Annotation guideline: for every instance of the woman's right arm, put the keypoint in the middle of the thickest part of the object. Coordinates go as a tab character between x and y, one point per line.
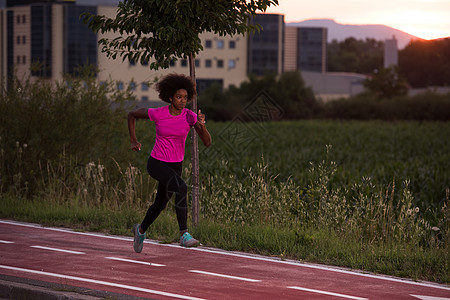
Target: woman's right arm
139	113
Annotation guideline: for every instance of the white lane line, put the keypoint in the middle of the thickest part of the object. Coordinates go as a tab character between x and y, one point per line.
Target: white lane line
316	267
225	276
429	297
100	282
6	242
136	261
58	250
242	255
325	293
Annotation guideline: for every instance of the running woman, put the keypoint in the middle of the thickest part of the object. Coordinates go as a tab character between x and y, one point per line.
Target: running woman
172	124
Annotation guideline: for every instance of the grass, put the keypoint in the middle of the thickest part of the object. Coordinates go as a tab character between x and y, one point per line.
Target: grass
361	195
315	245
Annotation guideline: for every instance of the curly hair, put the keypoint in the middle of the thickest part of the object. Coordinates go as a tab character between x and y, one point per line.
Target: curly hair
169	84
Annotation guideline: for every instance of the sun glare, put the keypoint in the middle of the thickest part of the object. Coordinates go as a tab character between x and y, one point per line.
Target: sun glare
426	19
423	24
423	32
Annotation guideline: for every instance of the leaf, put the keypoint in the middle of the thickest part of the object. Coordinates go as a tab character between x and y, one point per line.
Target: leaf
171	28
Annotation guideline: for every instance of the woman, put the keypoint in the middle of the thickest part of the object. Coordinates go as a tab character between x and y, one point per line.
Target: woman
172	124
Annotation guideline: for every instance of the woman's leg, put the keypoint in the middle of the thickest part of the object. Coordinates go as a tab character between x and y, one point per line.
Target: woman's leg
170	181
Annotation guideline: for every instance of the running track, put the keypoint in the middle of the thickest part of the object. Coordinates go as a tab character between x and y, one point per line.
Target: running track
162	271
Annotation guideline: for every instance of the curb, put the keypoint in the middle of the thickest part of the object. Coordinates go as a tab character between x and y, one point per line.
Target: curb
16	290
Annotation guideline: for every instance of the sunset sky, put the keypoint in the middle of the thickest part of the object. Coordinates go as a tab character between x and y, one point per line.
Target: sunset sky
427	19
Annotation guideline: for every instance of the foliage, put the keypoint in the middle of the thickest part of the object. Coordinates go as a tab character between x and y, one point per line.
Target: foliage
296	101
386	83
145	27
363	209
42	122
287	91
383	151
427	106
376	200
352	55
423	63
426	63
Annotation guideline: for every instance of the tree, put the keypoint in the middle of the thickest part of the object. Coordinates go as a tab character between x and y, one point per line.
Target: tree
352	55
294	99
159	31
386	83
426	63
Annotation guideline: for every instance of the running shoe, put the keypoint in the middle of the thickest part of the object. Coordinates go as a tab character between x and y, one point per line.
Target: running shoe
187	240
139	238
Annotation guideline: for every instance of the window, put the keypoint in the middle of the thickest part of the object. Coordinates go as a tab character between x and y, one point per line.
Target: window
208	63
132	62
172	63
24	59
18	19
231	64
24	19
18	60
80	41
232	44
220	63
24	39
144	86
184	63
197	63
220	44
18	40
120	85
144	98
208	44
133	86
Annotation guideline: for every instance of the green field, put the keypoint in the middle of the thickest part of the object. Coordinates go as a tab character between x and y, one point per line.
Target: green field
382	151
363	195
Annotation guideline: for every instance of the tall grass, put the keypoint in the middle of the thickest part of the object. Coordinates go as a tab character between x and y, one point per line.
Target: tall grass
363	211
368	195
386	152
365	226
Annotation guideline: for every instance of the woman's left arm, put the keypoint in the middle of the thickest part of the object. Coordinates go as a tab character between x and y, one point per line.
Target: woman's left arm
202	132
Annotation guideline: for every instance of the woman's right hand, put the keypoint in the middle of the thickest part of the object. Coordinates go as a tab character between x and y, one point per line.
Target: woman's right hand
135	146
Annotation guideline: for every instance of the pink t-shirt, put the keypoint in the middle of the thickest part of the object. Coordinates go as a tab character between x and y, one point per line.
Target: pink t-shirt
171	133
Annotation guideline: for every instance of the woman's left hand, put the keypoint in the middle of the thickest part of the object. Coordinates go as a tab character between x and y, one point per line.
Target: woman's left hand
200	127
201	117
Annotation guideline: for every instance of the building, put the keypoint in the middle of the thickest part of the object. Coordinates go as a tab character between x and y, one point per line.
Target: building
45	38
266	48
390	53
328	86
305	49
50	34
223	62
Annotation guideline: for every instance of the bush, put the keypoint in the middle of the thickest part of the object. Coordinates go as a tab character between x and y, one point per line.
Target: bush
41	122
293	100
422	107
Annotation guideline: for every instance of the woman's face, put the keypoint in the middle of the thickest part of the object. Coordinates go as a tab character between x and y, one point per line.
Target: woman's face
179	99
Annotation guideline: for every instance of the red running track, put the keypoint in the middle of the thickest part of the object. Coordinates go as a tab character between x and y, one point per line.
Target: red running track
162	271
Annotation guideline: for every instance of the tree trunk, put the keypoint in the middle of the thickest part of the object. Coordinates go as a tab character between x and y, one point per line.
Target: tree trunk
194	150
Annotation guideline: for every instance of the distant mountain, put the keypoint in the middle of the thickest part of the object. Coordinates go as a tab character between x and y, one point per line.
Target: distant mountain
340	32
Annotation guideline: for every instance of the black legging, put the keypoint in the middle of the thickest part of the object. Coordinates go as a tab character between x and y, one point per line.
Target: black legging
170	181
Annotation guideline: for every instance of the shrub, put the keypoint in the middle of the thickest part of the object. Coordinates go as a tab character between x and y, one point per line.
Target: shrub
427	106
42	121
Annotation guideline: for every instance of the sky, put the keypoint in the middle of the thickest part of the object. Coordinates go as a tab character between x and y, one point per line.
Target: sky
427	19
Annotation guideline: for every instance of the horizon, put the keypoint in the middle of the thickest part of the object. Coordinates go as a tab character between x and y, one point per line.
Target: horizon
425	19
365	24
